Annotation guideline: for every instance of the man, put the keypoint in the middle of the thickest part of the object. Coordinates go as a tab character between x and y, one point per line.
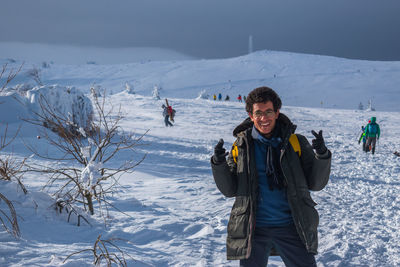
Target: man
270	171
372	132
166	115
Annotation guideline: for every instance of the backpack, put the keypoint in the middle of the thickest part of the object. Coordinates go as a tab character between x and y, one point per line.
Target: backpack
373	128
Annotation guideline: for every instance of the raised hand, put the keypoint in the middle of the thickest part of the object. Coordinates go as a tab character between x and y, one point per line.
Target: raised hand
318	143
219	152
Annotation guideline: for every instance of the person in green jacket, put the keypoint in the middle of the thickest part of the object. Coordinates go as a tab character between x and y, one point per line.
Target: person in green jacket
270	172
372	133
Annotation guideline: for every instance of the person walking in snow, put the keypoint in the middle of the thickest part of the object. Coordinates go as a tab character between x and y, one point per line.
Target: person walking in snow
219	97
372	133
227	98
166	115
270	170
363	138
239	98
214	97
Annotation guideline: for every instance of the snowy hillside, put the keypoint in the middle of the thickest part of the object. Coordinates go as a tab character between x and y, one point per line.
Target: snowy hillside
301	80
173	214
69	54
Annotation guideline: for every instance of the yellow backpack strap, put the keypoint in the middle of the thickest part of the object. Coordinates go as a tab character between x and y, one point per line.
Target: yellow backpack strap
294	141
235	152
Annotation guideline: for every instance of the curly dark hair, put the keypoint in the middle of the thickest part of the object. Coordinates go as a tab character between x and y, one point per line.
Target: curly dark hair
261	95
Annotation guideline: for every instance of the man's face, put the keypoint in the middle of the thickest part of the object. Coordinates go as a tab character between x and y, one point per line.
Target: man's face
264	117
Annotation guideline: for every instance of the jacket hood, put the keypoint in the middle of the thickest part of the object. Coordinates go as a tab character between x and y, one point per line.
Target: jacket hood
284	126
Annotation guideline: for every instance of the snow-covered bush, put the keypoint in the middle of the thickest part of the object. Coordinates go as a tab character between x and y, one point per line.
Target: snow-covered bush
156	93
203	95
129	88
82	169
60	108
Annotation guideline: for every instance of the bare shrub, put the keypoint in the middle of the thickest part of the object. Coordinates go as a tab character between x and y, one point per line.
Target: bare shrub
10	76
105	250
9	168
9	219
35	74
62	205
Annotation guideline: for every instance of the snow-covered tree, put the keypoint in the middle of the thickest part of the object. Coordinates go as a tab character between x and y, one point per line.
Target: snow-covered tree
360	106
203	95
129	88
370	107
156	92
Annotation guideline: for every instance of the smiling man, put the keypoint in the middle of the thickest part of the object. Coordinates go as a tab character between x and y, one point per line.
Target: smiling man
270	170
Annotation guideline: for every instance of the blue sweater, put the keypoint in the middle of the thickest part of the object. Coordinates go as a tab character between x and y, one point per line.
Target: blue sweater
272	206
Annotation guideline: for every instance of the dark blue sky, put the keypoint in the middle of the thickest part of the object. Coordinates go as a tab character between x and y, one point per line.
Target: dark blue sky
365	29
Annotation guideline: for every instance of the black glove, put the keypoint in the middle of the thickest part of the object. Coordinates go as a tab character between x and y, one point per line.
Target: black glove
318	143
219	152
359	141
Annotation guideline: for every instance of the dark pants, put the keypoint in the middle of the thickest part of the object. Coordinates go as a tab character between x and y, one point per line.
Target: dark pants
287	243
364	146
371	142
167	122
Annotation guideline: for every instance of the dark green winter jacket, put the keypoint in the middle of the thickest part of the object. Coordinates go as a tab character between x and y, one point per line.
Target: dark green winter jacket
309	171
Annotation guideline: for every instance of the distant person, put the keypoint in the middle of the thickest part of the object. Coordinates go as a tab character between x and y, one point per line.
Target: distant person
270	170
372	132
244	98
239	98
214	97
363	138
227	98
166	114
219	97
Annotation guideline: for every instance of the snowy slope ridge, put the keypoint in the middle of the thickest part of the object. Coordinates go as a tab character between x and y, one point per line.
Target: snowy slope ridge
301	79
177	217
69	54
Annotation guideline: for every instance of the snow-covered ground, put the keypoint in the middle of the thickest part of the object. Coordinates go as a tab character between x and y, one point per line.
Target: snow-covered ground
173	214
